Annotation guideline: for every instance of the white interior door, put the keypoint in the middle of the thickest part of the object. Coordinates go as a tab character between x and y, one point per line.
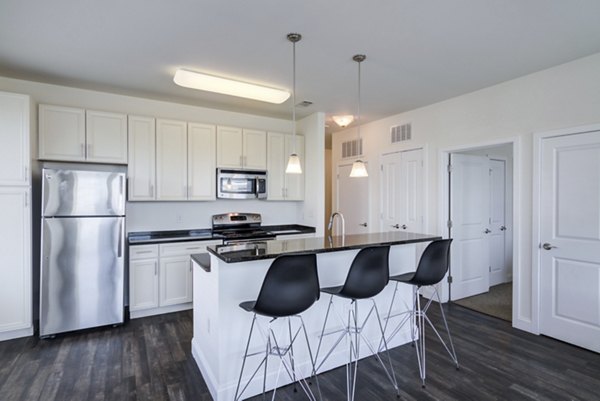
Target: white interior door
570	239
352	201
402	191
469	213
498	263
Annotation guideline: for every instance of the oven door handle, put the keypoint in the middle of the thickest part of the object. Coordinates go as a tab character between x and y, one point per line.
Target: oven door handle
256	186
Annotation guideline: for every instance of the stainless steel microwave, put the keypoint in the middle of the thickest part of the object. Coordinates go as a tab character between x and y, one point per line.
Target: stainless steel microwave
241	184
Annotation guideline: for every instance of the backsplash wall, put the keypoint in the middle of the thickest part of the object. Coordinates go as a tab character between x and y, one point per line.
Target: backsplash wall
152	216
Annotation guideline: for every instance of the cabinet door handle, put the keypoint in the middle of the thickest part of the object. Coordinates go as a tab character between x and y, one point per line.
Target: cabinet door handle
141	252
82	149
190	191
151	190
395	226
403	226
89	150
241	161
155	268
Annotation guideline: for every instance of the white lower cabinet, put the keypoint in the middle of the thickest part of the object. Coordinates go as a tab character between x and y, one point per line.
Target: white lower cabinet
160	277
15	269
175	280
143	284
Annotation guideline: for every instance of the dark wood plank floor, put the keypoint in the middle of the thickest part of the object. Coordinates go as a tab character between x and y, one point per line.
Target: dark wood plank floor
150	359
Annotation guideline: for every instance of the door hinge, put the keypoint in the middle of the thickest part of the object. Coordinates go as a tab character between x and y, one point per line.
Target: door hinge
449	224
449	279
449	168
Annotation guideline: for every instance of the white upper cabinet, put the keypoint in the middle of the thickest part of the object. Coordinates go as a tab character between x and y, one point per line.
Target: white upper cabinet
62	133
241	148
72	134
171	160
284	186
106	135
201	161
14	137
229	147
254	154
142	158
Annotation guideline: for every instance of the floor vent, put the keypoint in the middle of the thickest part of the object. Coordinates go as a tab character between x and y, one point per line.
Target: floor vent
352	148
401	133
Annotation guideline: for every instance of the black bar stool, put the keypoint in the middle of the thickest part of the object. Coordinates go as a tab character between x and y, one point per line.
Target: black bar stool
367	277
290	287
432	268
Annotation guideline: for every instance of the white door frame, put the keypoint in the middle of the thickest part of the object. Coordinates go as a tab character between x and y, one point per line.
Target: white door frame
536	226
519	321
337	190
425	149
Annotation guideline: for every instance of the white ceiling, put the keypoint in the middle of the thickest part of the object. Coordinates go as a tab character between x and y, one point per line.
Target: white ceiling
418	52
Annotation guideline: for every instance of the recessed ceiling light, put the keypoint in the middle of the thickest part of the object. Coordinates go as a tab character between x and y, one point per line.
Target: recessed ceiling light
211	83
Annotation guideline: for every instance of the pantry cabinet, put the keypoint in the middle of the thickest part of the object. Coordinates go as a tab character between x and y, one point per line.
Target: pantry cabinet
15	230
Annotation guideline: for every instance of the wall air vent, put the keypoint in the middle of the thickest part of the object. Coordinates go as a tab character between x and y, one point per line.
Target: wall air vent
400	133
352	148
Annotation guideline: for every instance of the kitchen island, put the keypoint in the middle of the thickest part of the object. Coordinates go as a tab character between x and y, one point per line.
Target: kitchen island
235	273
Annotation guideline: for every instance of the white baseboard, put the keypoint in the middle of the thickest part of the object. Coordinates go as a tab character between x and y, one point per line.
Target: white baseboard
9	335
159	311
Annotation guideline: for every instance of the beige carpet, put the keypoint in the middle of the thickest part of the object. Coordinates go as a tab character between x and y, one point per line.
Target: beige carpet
497	302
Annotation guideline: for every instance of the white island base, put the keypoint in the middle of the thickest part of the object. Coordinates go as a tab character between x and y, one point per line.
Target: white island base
221	327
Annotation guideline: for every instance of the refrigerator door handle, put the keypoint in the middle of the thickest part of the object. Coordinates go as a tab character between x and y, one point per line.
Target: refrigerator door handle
120	245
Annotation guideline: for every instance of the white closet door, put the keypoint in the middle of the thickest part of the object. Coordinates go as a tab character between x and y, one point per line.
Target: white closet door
498	261
570	239
469	212
352	201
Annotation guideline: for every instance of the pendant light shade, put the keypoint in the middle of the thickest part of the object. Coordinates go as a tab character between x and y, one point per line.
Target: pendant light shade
359	168
293	166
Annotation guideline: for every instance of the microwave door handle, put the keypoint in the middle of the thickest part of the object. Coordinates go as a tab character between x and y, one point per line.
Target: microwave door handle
256	187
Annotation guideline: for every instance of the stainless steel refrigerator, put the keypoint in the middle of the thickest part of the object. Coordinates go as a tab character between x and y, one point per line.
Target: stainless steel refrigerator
83	233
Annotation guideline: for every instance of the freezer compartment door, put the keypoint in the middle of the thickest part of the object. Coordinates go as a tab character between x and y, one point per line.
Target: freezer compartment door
82	273
83	193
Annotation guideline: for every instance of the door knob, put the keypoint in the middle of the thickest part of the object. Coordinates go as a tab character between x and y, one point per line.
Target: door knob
487	231
395	226
547	246
502	228
363	224
404	226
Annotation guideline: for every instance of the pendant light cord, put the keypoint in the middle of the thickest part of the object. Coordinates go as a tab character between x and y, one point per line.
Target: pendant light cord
358	111
294	98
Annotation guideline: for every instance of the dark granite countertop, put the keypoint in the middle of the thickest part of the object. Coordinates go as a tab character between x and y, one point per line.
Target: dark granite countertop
249	251
206	234
203	260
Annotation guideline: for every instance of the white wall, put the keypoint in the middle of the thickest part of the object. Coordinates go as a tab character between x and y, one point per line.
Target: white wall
179	215
564	96
313	128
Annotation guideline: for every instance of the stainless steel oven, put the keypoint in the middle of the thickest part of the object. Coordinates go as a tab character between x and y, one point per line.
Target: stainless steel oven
241	184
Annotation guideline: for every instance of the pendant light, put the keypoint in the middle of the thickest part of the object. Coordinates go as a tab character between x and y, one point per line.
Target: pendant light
293	166
359	169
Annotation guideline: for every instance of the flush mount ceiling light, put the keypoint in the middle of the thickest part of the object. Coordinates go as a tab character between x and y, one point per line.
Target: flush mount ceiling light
211	83
359	169
293	166
343	121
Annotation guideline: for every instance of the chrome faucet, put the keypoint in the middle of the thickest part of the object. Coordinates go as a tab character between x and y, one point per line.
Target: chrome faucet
331	220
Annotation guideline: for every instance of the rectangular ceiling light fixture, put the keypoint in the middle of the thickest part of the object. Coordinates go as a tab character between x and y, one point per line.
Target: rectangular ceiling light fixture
211	83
